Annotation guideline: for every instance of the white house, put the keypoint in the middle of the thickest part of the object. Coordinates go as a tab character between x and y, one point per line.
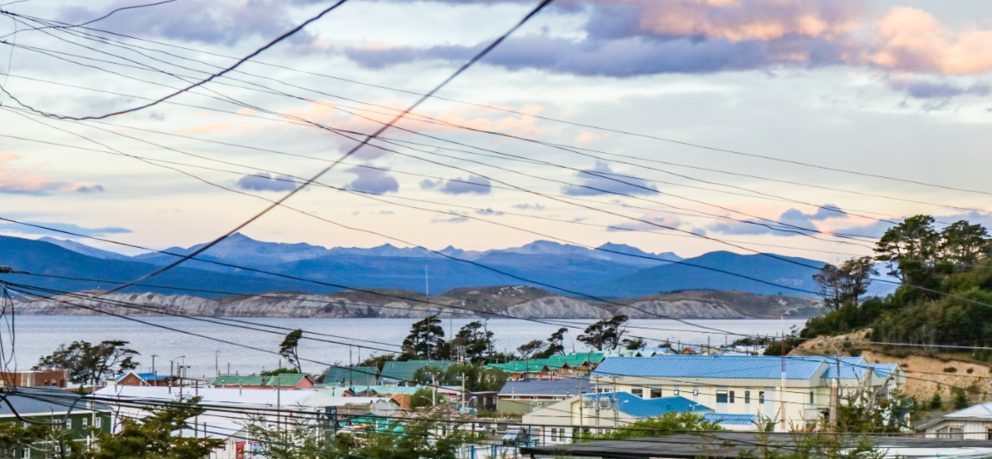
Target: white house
791	392
972	423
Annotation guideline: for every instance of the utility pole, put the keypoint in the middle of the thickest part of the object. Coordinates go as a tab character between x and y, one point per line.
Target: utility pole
217	361
153	365
834	395
781	393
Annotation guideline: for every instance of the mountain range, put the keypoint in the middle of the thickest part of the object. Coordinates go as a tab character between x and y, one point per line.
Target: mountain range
609	271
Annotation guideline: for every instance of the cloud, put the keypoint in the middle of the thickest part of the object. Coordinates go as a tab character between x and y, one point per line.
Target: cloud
472	185
263	181
20	181
68	227
457	217
921	89
488	211
911	39
528	206
216	22
374	181
793	223
601	180
648	223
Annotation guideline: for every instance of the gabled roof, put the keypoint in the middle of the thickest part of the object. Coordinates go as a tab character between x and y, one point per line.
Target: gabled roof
547	387
553	363
360	375
404	371
852	367
45	401
145	376
710	366
279	380
640	408
386	390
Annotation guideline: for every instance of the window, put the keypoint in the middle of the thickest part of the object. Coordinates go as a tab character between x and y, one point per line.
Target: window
98	422
676	392
747	397
951	432
695	392
85	422
811	397
721	396
761	396
731	396
68	423
988	434
26	453
655	393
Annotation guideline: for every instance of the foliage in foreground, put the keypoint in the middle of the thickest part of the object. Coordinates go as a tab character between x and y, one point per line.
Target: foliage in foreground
668	423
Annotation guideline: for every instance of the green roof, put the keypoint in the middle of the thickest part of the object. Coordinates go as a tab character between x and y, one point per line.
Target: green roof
554	362
345	376
386	390
404	371
279	380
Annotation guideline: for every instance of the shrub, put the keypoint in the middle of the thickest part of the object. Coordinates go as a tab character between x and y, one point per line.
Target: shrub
950	370
936	402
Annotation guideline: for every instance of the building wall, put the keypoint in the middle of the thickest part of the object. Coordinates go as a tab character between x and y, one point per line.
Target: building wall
80	424
970	429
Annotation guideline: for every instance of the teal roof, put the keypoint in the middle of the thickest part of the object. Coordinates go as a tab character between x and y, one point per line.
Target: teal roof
279	380
554	362
360	375
404	371
386	390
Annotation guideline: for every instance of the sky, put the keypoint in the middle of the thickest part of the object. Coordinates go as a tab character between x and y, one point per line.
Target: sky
885	88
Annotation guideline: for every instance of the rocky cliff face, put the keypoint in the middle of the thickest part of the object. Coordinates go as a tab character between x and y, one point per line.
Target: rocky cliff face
495	302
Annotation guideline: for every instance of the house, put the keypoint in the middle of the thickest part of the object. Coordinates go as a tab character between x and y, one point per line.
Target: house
556	366
229	410
350	375
285	381
972	423
560	422
749	385
46	406
34	378
403	372
143	379
521	397
736	445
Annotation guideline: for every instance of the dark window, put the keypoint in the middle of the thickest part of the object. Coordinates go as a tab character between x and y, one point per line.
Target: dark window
747	397
761	396
695	392
810	397
721	396
731	396
655	393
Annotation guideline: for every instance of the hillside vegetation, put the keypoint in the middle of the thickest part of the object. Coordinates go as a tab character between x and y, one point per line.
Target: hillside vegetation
945	291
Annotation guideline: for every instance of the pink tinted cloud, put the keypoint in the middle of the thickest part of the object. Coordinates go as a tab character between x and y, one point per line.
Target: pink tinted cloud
17	180
911	39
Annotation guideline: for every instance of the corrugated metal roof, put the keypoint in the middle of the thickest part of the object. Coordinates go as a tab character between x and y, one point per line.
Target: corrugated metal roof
850	367
45	401
281	380
547	387
638	407
709	366
404	371
731	419
359	375
554	362
386	390
982	410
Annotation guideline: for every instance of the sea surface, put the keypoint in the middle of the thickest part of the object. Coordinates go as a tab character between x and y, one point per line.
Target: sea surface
353	339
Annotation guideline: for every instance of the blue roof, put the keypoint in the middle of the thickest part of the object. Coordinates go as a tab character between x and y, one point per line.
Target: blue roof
731	419
851	367
547	387
710	366
641	408
146	376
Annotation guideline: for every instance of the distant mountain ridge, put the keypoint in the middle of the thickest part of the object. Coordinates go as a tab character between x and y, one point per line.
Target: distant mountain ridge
610	271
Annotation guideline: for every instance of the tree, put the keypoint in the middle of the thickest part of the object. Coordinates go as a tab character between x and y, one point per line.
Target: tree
530	348
963	245
634	344
289	348
88	363
671	422
846	283
910	249
154	436
475	340
556	345
606	334
426	339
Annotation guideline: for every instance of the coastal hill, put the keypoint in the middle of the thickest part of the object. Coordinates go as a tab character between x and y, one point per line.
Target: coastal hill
489	302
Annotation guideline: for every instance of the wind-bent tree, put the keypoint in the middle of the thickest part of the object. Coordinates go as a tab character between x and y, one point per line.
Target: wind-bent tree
556	344
606	334
911	250
530	348
155	436
474	340
963	245
845	283
426	339
633	344
88	363
290	348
